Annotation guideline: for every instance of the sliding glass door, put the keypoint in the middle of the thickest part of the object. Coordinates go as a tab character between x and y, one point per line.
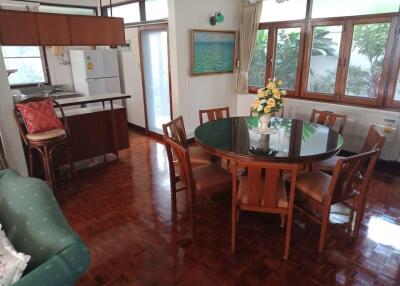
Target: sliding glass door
156	82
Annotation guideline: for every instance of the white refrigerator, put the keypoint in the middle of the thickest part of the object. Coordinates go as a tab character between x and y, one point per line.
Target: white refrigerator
95	71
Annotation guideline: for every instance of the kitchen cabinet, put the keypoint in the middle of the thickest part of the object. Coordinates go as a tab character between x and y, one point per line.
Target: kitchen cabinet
97	30
18	28
23	28
53	29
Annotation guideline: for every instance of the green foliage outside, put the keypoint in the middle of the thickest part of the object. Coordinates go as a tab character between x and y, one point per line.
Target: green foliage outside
369	40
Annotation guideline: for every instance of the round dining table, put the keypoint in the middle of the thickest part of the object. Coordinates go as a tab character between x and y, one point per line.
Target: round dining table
289	140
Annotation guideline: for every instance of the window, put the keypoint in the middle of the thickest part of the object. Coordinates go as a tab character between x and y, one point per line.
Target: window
338	8
27	61
68	10
257	73
136	11
366	59
350	54
290	10
156	9
286	56
130	12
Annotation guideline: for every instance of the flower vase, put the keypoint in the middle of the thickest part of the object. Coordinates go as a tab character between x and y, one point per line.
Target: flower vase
264	119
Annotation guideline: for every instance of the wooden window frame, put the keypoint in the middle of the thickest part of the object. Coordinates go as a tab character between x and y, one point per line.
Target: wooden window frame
271	51
390	69
307	60
378	101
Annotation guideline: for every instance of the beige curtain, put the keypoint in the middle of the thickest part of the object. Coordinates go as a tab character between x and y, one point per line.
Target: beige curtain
250	18
3	163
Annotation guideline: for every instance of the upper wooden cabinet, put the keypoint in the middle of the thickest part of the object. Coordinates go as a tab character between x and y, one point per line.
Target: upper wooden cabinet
97	30
18	28
31	28
53	29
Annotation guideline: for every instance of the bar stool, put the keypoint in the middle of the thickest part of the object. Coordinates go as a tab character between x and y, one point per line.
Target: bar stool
45	143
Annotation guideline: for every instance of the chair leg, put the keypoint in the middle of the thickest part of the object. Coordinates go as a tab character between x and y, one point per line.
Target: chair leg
324	230
47	167
68	154
30	150
359	205
233	234
288	235
173	195
193	211
282	220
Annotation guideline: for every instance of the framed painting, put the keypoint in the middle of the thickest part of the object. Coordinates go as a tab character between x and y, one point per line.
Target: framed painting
213	52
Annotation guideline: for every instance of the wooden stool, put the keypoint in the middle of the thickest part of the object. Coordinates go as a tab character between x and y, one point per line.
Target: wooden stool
45	143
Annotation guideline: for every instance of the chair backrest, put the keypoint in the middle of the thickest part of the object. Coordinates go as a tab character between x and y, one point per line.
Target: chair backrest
332	120
213	114
350	173
21	124
175	130
182	155
263	181
374	140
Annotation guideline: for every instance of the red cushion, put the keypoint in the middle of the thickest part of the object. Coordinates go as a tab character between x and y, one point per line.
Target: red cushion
39	116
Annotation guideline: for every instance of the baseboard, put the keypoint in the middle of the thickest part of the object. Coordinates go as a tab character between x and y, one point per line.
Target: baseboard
137	128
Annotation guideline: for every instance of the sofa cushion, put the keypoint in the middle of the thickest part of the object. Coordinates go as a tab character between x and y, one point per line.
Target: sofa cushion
12	263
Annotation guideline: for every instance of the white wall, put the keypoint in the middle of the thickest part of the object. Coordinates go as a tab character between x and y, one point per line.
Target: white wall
193	93
356	128
131	78
8	127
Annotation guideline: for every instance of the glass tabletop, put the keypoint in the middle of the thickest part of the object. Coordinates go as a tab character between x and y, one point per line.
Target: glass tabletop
292	140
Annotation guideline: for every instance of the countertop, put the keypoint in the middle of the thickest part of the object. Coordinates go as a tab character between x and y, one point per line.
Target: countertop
92	99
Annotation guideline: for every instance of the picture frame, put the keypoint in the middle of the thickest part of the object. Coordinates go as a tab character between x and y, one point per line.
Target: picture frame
213	52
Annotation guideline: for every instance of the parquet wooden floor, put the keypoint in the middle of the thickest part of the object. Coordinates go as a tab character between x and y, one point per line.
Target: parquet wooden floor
122	212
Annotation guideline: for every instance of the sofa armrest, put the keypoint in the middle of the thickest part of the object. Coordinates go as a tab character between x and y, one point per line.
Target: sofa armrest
64	268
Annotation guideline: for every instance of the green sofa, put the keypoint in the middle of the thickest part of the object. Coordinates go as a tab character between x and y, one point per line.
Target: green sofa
35	225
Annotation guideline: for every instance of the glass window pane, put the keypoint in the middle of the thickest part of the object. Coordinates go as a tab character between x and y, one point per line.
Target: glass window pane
156	9
397	92
130	12
258	64
324	59
366	59
273	11
20	51
326	8
286	56
67	10
29	70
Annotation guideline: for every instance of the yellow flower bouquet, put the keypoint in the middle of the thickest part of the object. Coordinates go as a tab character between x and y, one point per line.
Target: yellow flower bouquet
269	99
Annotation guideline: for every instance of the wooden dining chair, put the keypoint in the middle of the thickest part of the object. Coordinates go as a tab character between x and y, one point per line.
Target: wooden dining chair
213	114
349	181
261	189
374	140
175	130
200	181
332	120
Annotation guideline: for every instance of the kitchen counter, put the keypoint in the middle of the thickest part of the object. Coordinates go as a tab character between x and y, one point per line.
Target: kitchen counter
92	99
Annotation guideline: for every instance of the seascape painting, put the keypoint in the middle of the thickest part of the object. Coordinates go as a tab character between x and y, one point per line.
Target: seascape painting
213	52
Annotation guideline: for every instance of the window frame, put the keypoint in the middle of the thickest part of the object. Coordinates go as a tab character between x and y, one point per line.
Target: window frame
142	10
390	69
47	80
378	101
307	60
273	28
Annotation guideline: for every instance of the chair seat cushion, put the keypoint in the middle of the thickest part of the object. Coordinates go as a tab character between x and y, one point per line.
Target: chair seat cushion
47	135
211	178
199	156
39	116
244	188
327	165
314	184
